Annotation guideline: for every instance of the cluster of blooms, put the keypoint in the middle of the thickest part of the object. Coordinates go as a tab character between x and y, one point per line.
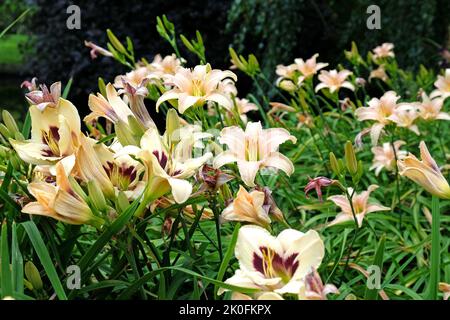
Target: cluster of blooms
81	178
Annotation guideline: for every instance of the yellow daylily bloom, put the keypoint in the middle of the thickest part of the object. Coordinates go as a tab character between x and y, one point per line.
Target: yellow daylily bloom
54	134
425	173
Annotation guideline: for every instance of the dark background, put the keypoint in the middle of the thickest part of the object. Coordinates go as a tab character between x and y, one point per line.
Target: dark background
276	31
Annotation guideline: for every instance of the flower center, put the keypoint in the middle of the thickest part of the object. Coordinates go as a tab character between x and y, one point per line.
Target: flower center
197	88
51	139
272	265
121	175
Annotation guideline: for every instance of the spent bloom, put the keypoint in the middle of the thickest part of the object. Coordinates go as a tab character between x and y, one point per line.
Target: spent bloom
275	264
334	80
44	97
193	87
384	156
314	288
386	50
425	173
360	203
253	149
317	184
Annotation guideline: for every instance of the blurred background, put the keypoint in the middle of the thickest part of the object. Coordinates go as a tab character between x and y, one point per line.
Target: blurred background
276	31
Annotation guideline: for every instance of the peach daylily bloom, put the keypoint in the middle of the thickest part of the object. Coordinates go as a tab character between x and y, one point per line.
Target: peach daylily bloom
334	80
275	264
54	134
195	87
442	85
405	115
379	110
162	67
379	73
244	106
384	156
247	207
253	149
360	203
309	67
386	50
60	202
430	109
445	288
425	173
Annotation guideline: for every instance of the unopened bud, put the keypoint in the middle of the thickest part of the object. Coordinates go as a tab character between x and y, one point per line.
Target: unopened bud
96	196
122	201
33	276
9	121
4	131
350	158
77	188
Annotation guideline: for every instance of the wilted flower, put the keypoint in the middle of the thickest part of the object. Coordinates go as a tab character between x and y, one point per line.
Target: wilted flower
379	73
60	202
386	50
314	288
425	173
212	179
317	184
442	85
384	156
379	110
334	80
275	264
277	106
253	149
43	98
54	134
309	67
195	87
95	50
247	207
430	109
360	206
405	115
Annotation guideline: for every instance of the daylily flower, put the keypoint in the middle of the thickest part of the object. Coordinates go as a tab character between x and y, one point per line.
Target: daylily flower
170	157
247	207
379	110
275	264
43	98
314	288
195	87
258	296
384	156
317	184
360	204
405	115
334	80
60	202
445	288
163	67
430	109
244	106
442	85
253	149
54	134
425	173
386	50
310	67
379	73
287	72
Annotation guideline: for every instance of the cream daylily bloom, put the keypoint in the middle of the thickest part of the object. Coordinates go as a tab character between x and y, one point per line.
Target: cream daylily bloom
247	207
162	67
253	149
425	173
334	80
384	156
195	87
442	85
275	264
379	73
244	106
379	110
54	134
430	109
386	50
405	115
360	203
309	67
60	202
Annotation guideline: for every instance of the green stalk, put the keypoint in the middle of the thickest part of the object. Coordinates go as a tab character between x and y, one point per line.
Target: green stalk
435	250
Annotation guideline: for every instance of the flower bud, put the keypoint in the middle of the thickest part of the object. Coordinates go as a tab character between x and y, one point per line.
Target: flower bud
96	196
9	121
32	274
334	164
350	158
4	131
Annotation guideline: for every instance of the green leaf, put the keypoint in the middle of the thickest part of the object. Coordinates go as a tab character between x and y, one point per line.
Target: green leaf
435	262
5	271
44	257
13	23
26	126
372	294
67	88
227	257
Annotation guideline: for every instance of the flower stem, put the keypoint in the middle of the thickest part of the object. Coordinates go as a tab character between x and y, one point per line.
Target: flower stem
435	249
